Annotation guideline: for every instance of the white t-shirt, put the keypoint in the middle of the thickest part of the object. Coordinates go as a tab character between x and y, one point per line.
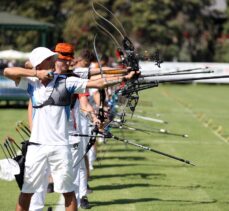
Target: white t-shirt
82	72
50	123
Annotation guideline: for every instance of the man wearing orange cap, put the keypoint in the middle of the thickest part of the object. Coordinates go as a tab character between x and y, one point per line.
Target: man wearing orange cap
65	51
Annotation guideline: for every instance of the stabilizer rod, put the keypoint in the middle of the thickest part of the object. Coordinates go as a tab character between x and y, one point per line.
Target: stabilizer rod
154	130
189	79
175	73
109	135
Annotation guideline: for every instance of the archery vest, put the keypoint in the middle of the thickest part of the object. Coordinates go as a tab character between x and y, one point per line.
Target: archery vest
59	96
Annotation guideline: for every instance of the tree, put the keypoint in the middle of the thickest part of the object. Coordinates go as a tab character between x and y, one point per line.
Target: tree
178	28
80	27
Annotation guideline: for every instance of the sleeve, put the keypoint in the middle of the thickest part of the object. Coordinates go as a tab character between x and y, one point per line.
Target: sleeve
23	84
76	85
82	72
84	94
25	81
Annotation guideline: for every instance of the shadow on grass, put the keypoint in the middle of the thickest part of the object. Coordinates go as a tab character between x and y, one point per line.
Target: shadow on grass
118	186
133	201
124	186
141	175
114	165
172	165
122	158
101	165
190	187
142	200
119	150
122	201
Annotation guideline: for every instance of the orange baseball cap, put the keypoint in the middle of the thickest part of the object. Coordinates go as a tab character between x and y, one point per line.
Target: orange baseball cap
65	51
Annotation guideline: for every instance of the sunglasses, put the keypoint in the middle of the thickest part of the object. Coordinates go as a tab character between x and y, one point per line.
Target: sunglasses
66	54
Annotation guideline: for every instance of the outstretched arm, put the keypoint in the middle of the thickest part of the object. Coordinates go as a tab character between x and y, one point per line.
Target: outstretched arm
107	70
108	81
16	73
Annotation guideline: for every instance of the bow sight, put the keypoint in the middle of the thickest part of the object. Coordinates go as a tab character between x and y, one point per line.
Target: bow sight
131	60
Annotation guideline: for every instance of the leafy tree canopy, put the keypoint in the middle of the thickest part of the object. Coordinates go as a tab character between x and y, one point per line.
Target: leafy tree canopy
181	30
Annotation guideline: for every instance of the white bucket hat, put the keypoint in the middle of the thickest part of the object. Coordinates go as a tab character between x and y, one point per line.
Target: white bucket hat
39	54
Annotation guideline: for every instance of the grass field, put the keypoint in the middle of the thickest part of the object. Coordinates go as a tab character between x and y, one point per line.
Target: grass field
126	178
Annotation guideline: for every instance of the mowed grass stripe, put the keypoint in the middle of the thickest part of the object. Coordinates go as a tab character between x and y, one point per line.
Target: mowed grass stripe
200	116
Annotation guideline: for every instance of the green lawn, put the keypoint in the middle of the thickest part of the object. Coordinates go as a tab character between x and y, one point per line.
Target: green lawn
126	178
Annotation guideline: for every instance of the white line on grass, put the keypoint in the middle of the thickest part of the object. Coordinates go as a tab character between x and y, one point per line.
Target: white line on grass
149	119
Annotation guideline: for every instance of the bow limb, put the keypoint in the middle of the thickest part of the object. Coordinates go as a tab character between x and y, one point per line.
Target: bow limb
101	91
109	22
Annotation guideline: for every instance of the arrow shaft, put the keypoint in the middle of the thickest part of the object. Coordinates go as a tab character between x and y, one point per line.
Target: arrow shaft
176	73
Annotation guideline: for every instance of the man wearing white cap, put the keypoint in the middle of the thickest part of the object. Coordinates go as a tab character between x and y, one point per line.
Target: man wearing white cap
49	137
